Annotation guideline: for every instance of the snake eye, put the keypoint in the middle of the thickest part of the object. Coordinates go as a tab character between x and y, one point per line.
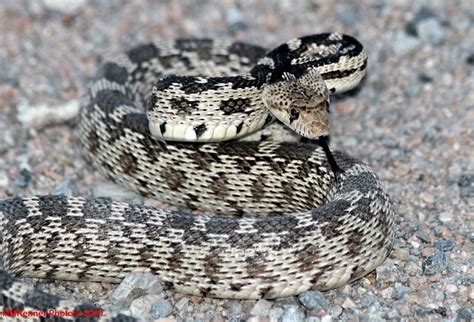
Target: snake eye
294	114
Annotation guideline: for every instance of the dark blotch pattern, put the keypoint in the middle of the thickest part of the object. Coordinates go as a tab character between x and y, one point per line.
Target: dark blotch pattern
200	129
113	72
143	53
236	105
183	106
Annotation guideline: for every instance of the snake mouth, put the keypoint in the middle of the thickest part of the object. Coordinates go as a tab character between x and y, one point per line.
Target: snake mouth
309	121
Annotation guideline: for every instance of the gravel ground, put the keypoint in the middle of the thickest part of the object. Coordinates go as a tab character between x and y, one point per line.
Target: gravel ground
412	121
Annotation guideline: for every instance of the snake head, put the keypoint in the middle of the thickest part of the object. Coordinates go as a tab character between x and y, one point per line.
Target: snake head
301	102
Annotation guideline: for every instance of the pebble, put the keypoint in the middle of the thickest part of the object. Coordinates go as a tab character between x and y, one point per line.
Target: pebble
435	264
349	16
431	31
445	217
182	304
115	192
141	307
66	188
135	283
161	308
470	59
423	14
275	313
24	178
348	304
463	314
64	6
313	300
262	307
41	116
444	245
292	314
404	44
400	291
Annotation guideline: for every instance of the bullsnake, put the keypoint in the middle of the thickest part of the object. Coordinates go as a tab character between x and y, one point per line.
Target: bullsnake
310	227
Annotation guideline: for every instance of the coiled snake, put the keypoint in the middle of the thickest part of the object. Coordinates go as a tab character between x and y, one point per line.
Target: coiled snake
313	227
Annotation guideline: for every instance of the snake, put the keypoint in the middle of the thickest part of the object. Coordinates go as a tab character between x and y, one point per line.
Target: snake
251	218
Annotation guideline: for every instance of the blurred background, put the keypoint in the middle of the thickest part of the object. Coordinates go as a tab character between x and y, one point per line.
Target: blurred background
412	121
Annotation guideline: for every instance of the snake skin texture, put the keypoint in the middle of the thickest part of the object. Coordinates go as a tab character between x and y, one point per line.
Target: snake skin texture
278	221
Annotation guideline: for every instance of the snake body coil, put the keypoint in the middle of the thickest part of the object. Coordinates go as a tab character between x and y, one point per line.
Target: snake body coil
311	229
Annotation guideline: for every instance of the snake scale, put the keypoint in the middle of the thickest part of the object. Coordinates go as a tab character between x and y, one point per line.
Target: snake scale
310	227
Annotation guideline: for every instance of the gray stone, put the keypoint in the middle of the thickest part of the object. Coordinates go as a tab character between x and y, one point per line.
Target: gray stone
161	308
292	314
444	245
349	16
24	178
275	313
400	291
435	263
393	314
67	7
445	217
182	304
66	188
423	14
336	311
115	192
431	31
403	44
262	307
141	307
313	300
136	283
463	314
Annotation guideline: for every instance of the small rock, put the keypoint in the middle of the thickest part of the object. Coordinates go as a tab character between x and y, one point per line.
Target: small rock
387	272
423	14
349	16
401	254
235	20
466	181
313	300
435	263
141	307
144	281
445	217
387	293
403	44
470	61
94	287
393	315
40	116
348	304
24	178
463	314
400	291
276	313
369	299
64	6
65	188
451	288
161	308
115	192
182	304
292	314
431	31
4	181
262	307
336	311
444	245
